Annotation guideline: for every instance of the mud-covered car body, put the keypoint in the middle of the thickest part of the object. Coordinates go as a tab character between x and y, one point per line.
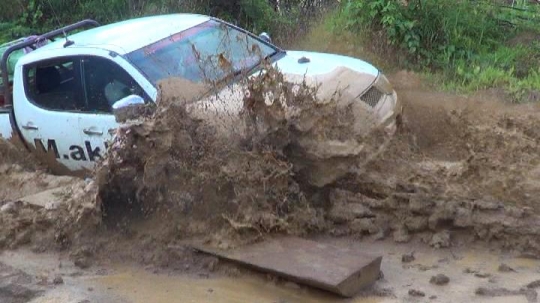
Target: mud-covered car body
64	92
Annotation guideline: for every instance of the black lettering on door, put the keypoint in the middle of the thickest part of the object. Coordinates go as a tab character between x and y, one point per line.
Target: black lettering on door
92	153
51	146
77	153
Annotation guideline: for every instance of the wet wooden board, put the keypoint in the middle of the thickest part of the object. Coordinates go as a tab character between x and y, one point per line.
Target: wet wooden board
340	270
47	198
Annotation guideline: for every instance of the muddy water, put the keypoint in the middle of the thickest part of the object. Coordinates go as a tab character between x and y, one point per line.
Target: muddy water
134	287
469	267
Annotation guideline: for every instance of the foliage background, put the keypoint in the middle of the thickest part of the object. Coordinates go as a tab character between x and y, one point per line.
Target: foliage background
23	17
463	45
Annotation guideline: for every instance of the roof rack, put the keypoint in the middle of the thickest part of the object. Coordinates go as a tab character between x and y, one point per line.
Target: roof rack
48	36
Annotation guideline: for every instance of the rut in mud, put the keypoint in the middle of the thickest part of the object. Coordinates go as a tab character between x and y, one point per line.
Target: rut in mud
38	209
457	170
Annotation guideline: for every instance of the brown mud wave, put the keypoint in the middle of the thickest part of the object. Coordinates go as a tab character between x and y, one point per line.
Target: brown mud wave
459	169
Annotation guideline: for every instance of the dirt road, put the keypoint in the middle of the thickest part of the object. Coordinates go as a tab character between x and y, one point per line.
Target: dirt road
475	274
454	193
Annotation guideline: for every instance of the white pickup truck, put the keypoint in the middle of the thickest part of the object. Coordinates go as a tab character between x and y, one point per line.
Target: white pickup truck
59	100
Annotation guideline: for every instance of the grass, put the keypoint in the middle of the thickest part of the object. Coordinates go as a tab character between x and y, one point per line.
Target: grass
470	56
515	69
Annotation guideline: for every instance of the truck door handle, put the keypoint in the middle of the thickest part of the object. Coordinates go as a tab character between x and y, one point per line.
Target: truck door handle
92	131
30	126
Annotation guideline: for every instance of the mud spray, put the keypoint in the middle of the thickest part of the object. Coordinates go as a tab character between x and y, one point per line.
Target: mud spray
285	162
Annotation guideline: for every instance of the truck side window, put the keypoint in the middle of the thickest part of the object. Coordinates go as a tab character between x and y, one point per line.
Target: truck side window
106	83
54	84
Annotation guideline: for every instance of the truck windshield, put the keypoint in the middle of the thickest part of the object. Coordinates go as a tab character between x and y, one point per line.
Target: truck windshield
211	51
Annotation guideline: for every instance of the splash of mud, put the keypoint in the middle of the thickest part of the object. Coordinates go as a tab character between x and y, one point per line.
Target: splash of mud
52	219
32	208
456	164
188	171
283	162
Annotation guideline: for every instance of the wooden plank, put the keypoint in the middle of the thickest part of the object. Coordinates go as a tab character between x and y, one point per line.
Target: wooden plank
340	270
49	198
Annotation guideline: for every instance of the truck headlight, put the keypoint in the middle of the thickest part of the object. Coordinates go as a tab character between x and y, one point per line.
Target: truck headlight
383	85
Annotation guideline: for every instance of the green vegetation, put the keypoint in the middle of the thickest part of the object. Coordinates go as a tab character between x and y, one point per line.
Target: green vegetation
22	17
466	45
469	45
5	29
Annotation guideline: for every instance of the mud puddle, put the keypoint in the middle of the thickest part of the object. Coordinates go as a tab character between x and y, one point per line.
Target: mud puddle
466	276
475	274
132	285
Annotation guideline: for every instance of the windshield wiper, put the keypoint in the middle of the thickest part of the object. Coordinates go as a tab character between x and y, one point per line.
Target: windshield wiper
251	69
246	71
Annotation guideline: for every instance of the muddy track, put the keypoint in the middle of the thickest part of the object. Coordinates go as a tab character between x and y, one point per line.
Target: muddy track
456	166
459	171
463	168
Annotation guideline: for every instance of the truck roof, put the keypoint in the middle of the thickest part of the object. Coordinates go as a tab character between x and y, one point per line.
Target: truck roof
126	36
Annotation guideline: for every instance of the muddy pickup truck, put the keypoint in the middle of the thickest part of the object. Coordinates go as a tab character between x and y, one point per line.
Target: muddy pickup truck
59	95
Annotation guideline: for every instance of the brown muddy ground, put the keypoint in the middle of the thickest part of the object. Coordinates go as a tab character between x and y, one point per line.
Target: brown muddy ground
459	169
475	275
459	172
21	175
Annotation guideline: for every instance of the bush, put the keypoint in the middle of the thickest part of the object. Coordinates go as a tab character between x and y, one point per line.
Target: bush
433	33
10	9
464	41
254	15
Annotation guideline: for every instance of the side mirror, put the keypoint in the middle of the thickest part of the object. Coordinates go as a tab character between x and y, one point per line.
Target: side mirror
266	37
128	101
129	108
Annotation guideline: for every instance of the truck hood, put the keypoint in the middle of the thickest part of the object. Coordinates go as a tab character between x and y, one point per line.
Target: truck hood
332	75
295	63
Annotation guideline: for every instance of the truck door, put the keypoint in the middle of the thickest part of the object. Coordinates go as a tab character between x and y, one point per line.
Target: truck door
105	82
66	109
47	108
